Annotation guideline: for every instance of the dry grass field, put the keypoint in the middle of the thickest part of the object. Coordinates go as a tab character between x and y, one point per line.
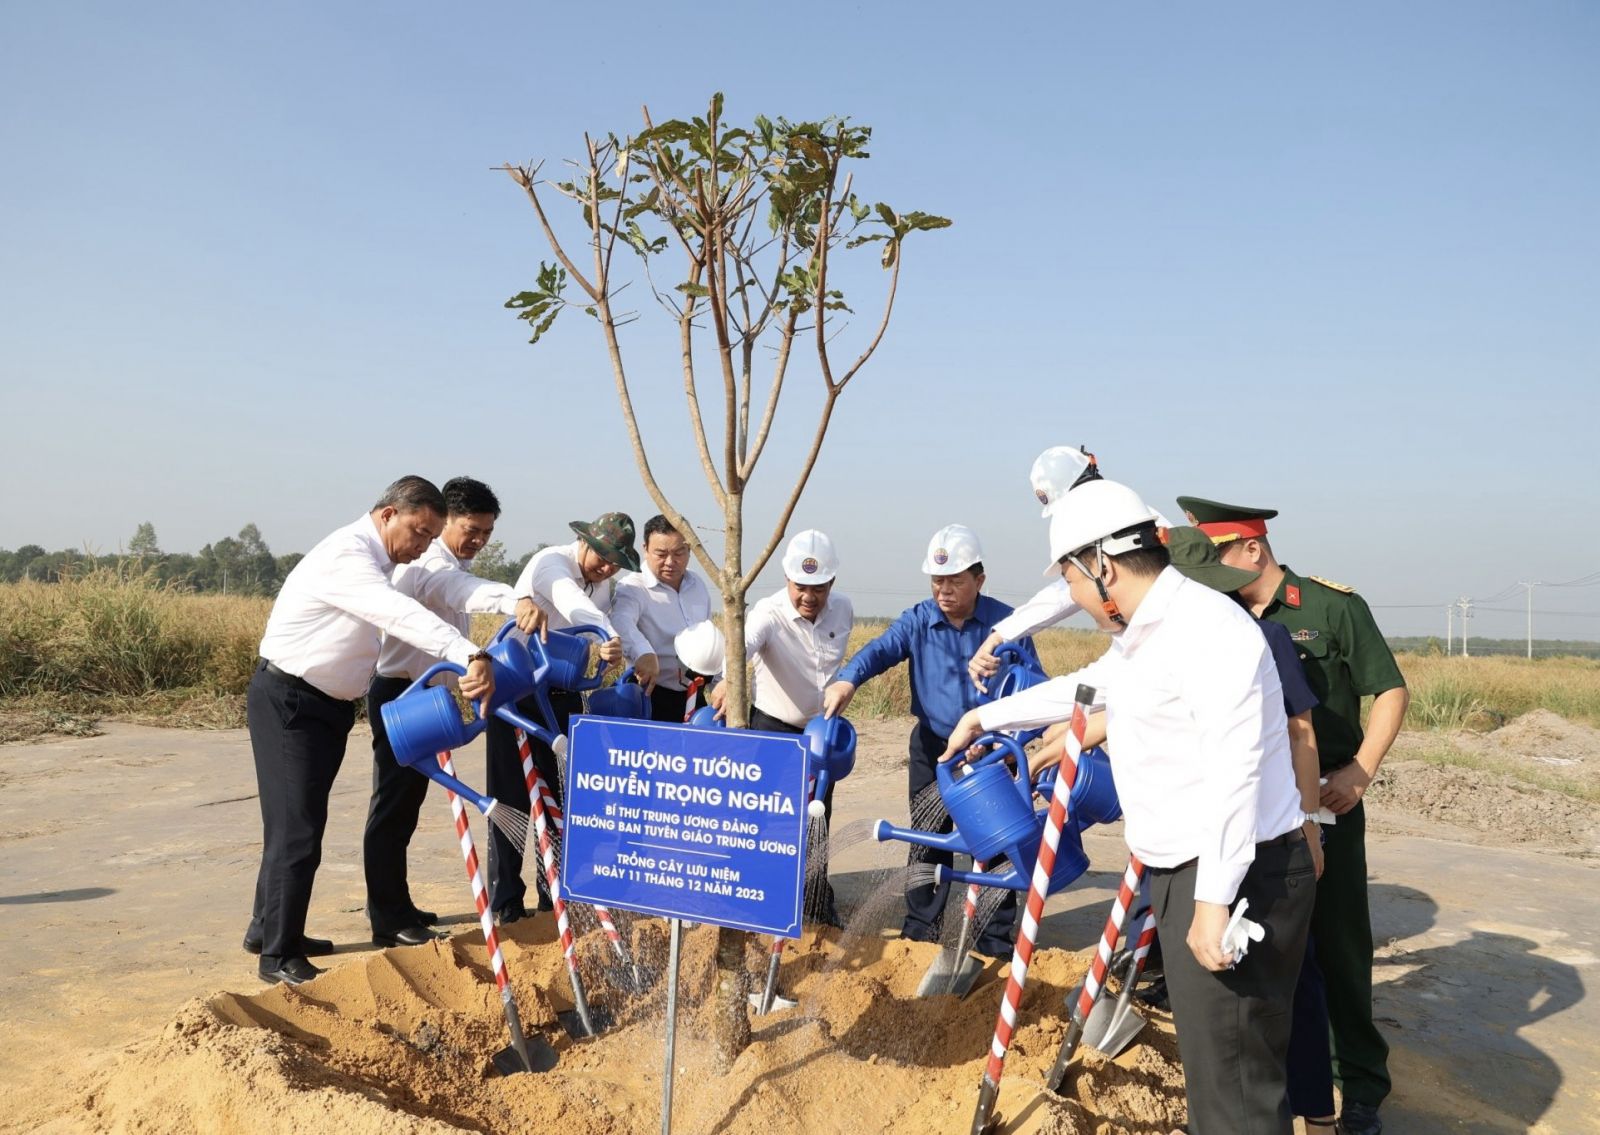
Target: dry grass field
115	644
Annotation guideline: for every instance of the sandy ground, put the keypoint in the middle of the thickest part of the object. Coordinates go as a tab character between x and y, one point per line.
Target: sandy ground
127	859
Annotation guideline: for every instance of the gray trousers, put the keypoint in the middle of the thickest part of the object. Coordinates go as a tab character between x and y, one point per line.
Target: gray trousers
1233	1026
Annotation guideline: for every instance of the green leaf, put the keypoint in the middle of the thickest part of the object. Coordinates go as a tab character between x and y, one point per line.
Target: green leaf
716	105
891	252
544	325
689	289
887	214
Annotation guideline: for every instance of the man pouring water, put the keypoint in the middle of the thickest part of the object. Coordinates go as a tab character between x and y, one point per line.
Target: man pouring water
318	654
1198	734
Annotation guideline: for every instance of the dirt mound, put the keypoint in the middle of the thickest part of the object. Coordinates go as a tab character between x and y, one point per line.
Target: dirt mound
1500	808
1545	736
402	1040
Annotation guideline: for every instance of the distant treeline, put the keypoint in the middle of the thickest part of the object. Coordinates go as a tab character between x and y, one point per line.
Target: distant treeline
234	565
1542	647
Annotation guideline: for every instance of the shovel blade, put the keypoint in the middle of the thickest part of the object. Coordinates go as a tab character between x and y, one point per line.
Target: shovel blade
778	1002
1111	1026
949	975
541	1058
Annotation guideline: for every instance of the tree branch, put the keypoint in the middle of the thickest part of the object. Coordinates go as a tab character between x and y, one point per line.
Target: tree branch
524	178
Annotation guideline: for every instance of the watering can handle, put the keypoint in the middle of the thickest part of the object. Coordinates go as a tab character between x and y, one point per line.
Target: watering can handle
541	657
587	628
436	668
1009	650
625	677
505	628
1003	744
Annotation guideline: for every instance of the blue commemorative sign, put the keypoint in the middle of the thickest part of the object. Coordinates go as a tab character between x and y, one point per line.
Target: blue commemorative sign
707	825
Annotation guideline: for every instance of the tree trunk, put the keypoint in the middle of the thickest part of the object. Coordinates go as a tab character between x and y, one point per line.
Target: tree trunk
732	1031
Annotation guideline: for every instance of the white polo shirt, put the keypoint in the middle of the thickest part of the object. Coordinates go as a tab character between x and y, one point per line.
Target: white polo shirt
333	610
792	658
1196	729
648	615
446	586
554	581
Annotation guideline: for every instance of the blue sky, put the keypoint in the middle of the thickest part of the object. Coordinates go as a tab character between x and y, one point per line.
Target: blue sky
1340	260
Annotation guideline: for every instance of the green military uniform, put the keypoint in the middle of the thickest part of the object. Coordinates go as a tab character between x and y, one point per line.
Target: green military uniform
1345	659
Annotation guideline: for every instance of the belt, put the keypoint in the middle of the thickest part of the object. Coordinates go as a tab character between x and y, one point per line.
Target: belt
294	680
1288	838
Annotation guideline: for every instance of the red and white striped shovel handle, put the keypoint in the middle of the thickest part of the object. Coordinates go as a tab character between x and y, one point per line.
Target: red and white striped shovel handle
1038	890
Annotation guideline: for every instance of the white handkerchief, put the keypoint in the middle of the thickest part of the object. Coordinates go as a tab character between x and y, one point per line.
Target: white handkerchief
1240	932
1325	816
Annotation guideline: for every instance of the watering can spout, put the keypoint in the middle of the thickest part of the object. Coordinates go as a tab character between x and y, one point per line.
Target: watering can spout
947	841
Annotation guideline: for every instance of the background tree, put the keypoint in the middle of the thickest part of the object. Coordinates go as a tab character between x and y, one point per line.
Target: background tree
144	544
753	217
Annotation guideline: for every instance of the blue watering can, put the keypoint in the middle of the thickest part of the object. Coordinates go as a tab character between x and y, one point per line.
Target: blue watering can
992	807
568	652
1094	793
425	721
624	699
520	665
1017	672
706	718
830	756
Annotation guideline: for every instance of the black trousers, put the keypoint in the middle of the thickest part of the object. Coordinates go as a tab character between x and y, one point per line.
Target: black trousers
1310	1062
507	784
667	705
297	736
1342	925
397	796
925	902
817	905
1233	1026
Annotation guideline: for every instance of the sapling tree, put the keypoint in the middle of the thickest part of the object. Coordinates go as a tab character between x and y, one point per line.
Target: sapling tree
731	231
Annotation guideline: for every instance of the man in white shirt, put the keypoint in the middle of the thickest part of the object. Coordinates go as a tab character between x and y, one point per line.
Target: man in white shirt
650	609
1196	724
317	656
795	640
442	581
572	585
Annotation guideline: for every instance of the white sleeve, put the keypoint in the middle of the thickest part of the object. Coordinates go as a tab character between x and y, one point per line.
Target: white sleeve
354	585
1048	702
1227	697
757	625
627	608
552	580
445	586
1049	606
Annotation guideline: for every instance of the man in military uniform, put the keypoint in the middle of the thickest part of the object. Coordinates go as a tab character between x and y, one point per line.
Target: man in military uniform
1345	658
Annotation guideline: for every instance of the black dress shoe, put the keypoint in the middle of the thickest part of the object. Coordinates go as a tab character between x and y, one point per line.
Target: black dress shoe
515	912
405	936
309	947
424	917
290	971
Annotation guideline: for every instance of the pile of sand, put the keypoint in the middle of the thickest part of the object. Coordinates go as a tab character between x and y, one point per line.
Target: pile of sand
1531	782
402	1040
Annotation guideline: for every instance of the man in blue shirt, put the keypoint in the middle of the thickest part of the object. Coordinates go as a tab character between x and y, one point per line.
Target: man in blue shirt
936	637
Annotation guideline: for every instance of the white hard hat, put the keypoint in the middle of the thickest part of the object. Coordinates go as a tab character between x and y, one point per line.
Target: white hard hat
1055	471
700	647
954	548
1091	513
810	558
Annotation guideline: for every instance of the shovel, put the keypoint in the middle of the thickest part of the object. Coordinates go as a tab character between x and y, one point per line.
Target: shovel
1112	1025
519	1055
954	971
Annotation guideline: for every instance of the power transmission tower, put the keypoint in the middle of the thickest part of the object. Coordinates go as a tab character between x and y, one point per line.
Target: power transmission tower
1449	629
1465	605
1530	585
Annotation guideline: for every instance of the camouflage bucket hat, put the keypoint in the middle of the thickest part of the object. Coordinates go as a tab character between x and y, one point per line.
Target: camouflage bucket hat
612	536
1195	556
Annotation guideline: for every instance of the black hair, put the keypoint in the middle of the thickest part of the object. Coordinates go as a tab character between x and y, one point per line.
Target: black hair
976	569
658	525
411	493
464	497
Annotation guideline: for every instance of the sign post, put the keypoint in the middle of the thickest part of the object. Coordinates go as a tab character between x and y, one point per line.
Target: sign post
687	823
